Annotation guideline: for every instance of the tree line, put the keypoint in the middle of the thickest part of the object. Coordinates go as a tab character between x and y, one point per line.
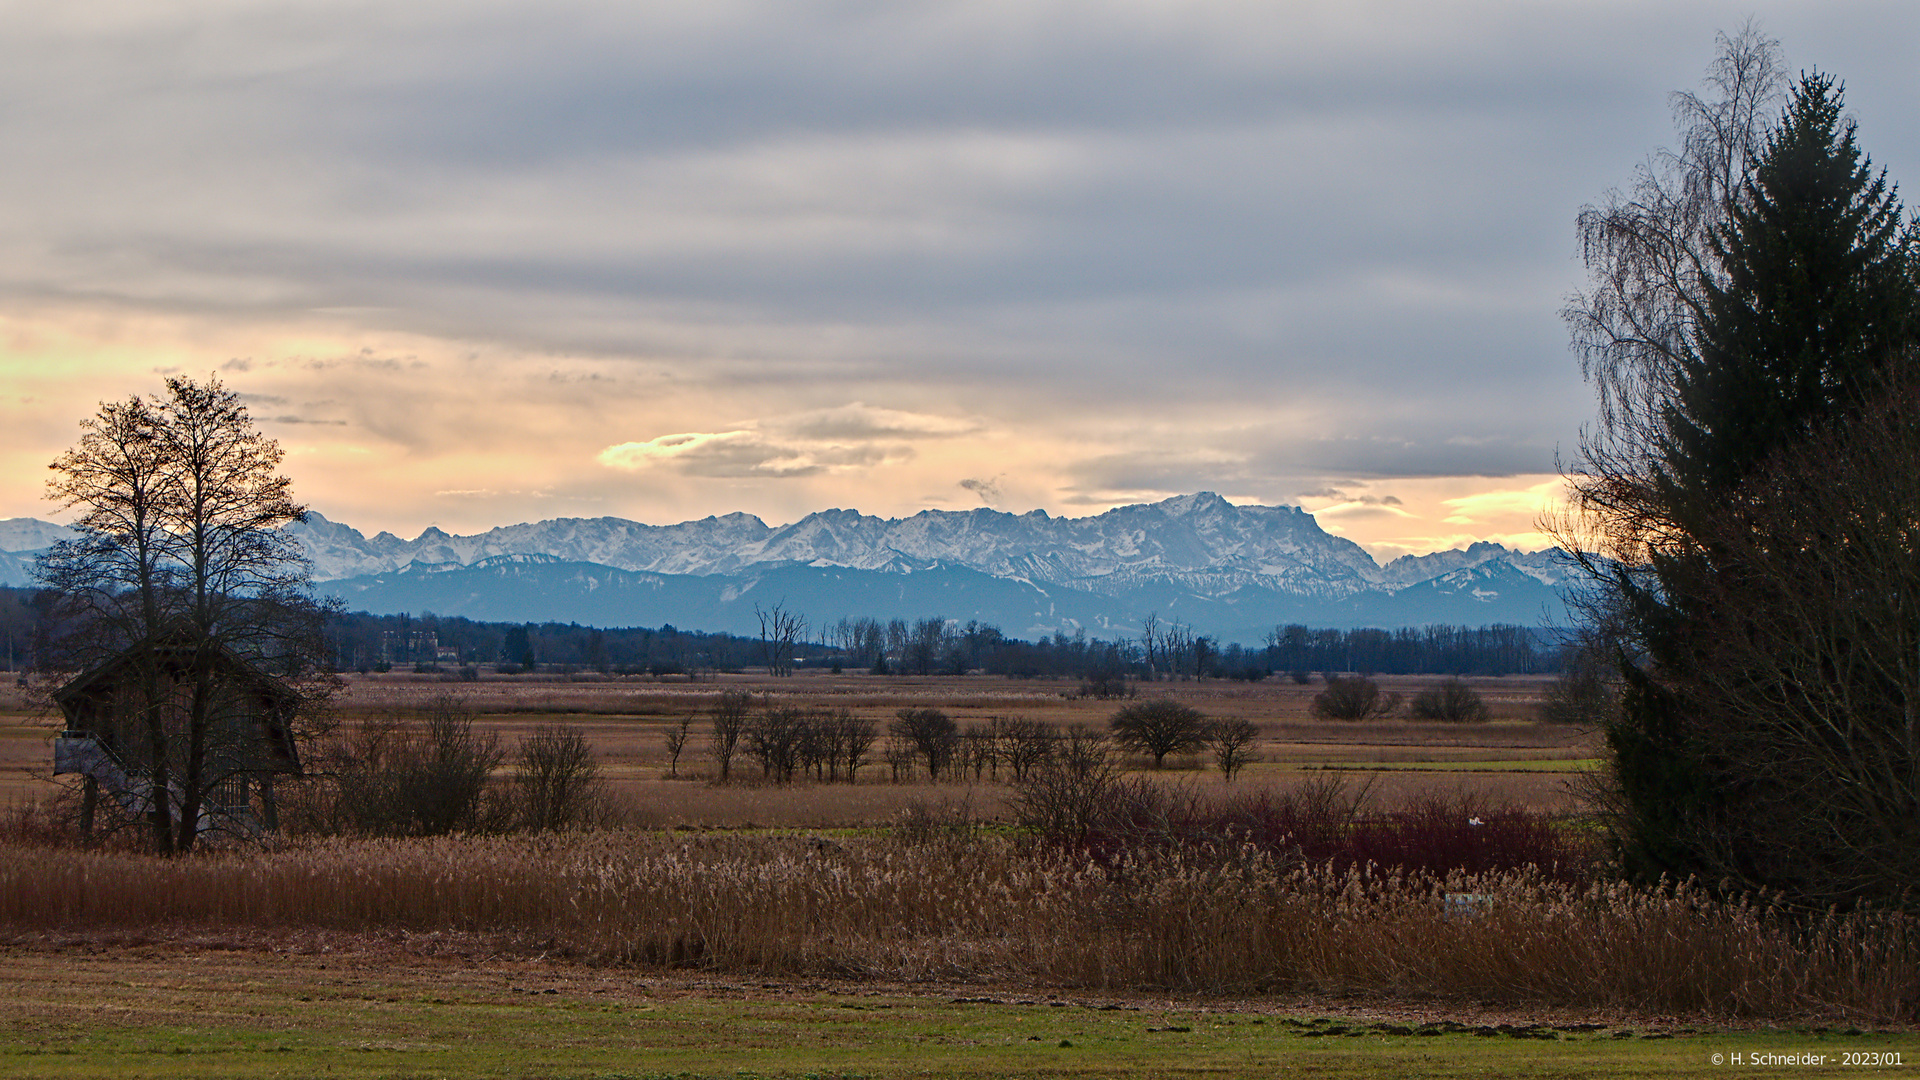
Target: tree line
826	745
359	641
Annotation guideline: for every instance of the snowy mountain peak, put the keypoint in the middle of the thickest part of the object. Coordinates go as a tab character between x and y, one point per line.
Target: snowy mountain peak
1198	542
30	534
1190	549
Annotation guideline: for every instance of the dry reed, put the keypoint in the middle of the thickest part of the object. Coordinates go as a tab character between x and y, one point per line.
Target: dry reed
979	908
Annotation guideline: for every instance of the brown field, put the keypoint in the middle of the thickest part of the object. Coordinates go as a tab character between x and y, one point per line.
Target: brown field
705	884
1512	757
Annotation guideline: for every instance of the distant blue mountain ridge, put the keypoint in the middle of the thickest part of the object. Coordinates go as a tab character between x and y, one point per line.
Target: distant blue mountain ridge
1231	571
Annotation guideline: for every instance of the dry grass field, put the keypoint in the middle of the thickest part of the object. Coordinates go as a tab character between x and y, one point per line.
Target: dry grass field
1512	757
720	927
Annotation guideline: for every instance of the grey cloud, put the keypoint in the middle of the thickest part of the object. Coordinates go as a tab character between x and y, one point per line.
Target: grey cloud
1042	212
859	421
1385	456
1341	494
987	490
1149	473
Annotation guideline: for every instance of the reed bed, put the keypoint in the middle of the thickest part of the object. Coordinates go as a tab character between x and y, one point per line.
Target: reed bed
984	907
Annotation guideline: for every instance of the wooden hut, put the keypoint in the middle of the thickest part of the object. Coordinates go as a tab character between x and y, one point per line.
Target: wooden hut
113	710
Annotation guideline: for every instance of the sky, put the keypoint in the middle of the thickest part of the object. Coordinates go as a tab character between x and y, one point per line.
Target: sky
476	263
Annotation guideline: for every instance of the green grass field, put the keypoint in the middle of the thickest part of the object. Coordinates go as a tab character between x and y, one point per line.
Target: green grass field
242	1014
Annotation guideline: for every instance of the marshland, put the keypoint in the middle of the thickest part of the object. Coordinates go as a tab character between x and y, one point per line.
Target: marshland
1450	869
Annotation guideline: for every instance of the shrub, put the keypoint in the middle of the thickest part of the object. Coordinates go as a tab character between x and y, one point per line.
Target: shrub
1452	701
557	779
1065	799
384	778
1106	685
1355	698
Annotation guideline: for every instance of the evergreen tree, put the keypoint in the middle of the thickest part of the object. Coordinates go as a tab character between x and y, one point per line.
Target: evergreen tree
1806	323
1818	295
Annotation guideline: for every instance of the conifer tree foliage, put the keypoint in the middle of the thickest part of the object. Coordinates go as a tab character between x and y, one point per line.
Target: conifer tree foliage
1817	296
1766	732
180	506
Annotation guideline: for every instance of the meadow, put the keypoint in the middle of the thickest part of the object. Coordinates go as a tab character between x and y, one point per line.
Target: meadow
715	926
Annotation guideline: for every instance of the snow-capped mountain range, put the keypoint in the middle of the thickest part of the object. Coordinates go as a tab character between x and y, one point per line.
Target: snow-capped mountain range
1225	569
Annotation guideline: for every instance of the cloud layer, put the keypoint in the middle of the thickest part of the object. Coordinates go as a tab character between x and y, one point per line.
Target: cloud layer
485	261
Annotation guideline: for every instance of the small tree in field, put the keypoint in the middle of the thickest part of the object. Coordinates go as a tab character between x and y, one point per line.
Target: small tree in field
676	741
1353	698
729	712
930	732
1453	701
1159	728
1025	744
1232	742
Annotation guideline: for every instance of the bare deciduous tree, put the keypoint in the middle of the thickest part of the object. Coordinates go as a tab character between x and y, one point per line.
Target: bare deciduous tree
180	513
781	634
853	738
1158	728
729	712
676	739
1232	742
1025	744
773	738
931	733
557	778
1650	249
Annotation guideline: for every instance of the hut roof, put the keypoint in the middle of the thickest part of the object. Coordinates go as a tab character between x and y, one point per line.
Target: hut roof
173	653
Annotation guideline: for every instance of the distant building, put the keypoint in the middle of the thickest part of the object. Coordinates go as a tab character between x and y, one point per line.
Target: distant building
409	646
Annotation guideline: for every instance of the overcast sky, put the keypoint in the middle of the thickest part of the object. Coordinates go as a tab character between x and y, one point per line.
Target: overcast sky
479	263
